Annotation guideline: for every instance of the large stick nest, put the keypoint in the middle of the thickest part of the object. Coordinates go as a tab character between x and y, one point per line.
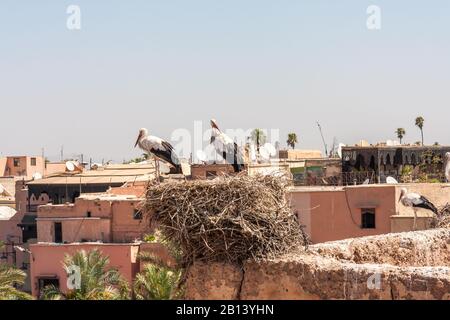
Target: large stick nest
442	219
226	219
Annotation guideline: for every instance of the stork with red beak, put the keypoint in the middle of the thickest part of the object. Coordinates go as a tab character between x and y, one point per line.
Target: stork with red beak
226	147
416	201
160	149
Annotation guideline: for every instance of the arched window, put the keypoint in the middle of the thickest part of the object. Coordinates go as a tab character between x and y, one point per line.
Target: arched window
372	163
388	159
360	162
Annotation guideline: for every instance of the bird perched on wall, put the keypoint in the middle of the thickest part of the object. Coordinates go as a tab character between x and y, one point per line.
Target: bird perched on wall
416	201
160	149
447	166
226	147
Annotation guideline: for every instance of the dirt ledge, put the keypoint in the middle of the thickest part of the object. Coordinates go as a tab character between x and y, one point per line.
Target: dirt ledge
412	265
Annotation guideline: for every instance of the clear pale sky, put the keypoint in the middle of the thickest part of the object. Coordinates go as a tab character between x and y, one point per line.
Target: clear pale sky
248	63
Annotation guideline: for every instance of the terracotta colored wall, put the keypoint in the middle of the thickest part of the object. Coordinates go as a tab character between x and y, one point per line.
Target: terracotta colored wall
47	260
124	227
54	167
199	171
109	221
76	230
327	216
299	154
2	166
25	168
137	189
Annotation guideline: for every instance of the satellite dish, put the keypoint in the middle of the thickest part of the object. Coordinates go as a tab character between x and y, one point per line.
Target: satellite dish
367	181
391	180
70	166
37	176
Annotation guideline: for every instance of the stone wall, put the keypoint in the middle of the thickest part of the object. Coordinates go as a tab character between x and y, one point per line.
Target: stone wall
412	265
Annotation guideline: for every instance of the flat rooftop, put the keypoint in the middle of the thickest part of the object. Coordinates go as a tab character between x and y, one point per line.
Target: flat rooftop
360	186
112	174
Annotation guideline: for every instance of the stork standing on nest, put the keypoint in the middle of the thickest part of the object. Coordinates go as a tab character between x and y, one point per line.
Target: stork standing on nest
226	147
160	149
447	166
416	201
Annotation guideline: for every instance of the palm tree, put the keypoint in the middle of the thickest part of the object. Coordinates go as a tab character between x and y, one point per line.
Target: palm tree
292	139
97	281
9	278
400	133
160	279
419	123
258	137
156	282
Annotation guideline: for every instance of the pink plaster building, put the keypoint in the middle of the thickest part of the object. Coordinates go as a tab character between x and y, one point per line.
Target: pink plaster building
26	167
108	218
335	213
110	221
47	260
113	217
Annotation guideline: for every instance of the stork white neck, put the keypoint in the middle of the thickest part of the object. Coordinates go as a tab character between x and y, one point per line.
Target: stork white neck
143	133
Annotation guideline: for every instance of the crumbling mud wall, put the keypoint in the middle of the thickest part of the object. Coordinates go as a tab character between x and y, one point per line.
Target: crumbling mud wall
410	265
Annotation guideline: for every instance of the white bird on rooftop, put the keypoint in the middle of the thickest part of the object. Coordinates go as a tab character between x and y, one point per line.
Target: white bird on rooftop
226	147
447	166
416	201
159	148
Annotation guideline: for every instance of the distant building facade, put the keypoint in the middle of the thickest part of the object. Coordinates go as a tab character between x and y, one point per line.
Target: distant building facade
336	213
106	218
385	161
299	154
210	171
27	167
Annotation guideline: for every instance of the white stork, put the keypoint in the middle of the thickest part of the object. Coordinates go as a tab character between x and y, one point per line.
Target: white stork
159	148
447	166
226	147
416	201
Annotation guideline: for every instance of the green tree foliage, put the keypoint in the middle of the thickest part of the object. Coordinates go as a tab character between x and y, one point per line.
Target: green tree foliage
292	140
98	281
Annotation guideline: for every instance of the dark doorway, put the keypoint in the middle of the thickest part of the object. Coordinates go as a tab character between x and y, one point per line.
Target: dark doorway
47	281
368	218
58	232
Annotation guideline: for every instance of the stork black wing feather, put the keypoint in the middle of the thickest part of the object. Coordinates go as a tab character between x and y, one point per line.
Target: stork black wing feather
167	145
427	204
168	156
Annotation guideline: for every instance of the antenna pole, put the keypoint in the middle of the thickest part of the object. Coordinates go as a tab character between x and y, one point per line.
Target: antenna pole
44	165
323	139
